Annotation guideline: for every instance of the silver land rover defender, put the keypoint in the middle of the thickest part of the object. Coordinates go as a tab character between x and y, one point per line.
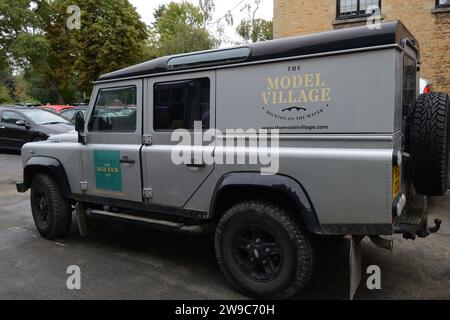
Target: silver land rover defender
355	150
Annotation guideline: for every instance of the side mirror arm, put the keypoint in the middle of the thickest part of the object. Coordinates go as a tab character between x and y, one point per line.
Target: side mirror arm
79	127
82	138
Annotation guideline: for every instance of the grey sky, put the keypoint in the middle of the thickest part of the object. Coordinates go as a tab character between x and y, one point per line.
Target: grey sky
146	8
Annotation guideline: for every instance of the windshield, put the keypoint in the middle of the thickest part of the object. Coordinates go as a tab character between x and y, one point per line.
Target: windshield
44	117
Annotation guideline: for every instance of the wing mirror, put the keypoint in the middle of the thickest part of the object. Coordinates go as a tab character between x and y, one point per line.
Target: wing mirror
79	122
79	127
21	123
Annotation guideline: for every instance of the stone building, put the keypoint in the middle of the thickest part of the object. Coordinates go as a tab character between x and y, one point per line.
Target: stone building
428	20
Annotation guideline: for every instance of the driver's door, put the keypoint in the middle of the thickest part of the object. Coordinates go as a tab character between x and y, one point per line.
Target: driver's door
111	165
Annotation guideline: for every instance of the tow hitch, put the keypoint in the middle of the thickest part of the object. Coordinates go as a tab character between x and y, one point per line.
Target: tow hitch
421	230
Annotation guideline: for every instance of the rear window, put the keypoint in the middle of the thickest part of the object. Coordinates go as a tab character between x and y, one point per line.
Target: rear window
409	84
44	117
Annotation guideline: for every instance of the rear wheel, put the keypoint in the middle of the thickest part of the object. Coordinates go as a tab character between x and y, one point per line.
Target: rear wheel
262	251
52	213
430	134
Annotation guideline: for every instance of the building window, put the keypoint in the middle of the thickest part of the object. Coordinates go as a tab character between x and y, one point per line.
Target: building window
442	3
347	9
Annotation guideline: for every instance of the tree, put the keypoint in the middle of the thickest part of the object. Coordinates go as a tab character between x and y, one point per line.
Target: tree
57	62
181	28
4	95
254	29
23	43
207	8
111	37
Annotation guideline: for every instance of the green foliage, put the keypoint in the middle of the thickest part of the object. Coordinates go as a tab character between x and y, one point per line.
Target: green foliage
57	62
255	30
207	8
112	37
5	98
53	64
30	49
180	28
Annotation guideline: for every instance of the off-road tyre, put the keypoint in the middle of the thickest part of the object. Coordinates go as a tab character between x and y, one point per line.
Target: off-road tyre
430	134
279	231
52	213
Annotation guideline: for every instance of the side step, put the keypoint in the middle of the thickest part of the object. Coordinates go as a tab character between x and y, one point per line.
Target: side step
82	218
170	224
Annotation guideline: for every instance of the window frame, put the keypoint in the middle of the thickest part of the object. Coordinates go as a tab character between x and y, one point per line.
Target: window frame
178	81
438	5
91	113
339	16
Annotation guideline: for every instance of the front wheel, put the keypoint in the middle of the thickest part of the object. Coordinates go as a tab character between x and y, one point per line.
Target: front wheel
52	213
263	251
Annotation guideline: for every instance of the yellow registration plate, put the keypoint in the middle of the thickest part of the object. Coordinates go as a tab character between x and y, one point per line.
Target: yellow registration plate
396	181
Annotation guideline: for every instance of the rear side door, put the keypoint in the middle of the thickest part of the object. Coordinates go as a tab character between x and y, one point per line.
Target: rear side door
111	166
13	135
175	102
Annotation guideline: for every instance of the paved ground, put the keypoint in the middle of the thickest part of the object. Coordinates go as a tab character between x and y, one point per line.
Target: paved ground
126	261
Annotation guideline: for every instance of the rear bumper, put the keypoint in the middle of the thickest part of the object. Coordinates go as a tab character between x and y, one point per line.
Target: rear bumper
21	187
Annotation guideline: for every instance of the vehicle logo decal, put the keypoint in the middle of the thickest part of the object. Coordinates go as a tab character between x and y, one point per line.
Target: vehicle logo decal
295	97
108	174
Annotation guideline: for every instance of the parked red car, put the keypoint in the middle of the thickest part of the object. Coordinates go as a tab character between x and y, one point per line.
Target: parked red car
56	108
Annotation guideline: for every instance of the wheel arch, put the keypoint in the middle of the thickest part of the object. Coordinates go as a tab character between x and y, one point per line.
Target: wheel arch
239	186
50	166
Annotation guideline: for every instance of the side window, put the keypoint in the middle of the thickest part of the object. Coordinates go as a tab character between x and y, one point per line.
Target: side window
177	105
11	117
115	110
409	83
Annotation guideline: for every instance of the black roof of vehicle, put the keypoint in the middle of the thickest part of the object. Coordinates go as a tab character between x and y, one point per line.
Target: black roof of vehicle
343	39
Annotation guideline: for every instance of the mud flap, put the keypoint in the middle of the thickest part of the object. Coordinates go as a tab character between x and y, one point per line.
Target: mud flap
82	219
355	263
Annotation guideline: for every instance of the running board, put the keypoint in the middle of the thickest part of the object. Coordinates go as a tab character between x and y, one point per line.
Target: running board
192	229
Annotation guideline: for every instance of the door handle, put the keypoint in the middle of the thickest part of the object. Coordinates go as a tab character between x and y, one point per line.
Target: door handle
195	165
127	161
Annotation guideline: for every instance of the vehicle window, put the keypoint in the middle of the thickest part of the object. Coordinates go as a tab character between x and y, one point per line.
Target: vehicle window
409	83
209	58
69	114
178	104
40	116
355	8
442	3
11	117
115	110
